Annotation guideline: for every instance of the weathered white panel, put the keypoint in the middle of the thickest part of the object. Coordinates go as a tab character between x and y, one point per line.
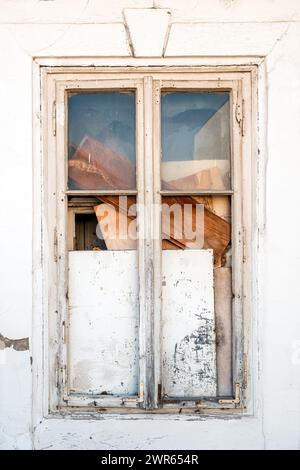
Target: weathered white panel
72	39
103	322
148	29
223	39
188	337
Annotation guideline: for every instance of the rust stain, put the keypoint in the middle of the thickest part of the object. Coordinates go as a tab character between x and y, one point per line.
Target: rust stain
21	344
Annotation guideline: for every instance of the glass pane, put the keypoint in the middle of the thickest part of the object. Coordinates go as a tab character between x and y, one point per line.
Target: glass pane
195	141
101	141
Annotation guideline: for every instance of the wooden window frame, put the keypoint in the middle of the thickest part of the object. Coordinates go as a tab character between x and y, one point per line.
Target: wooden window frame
148	83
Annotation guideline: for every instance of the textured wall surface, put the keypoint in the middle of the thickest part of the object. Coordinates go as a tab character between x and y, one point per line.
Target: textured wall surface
204	32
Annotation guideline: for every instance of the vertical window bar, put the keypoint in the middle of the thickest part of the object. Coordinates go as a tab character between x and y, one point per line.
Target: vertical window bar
146	250
140	171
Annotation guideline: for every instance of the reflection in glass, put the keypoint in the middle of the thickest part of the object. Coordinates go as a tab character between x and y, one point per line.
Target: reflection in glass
195	141
101	141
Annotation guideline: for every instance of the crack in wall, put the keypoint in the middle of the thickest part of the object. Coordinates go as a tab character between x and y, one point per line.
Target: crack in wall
21	344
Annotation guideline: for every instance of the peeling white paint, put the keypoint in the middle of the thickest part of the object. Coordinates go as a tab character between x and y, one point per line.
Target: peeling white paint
188	324
103	322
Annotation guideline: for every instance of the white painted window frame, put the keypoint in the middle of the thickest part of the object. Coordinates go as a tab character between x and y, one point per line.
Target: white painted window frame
241	82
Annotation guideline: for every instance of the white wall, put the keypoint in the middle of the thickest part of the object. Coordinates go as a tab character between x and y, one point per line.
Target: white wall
210	32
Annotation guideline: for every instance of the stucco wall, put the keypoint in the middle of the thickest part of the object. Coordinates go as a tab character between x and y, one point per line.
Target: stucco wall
266	32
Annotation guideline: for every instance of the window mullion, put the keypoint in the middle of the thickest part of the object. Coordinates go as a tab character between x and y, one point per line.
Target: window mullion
146	249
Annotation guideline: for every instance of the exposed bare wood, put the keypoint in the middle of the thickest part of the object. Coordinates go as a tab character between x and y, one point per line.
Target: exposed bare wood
217	231
21	344
223	305
191	410
72	211
114	200
118	231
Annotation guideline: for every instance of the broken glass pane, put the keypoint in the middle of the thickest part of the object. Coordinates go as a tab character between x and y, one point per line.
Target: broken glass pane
116	217
102	223
195	141
101	141
198	222
86	233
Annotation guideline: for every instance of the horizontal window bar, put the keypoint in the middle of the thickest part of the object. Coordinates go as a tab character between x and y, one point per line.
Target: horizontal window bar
197	192
104	192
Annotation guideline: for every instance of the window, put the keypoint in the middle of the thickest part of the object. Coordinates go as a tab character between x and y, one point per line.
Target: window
148	177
